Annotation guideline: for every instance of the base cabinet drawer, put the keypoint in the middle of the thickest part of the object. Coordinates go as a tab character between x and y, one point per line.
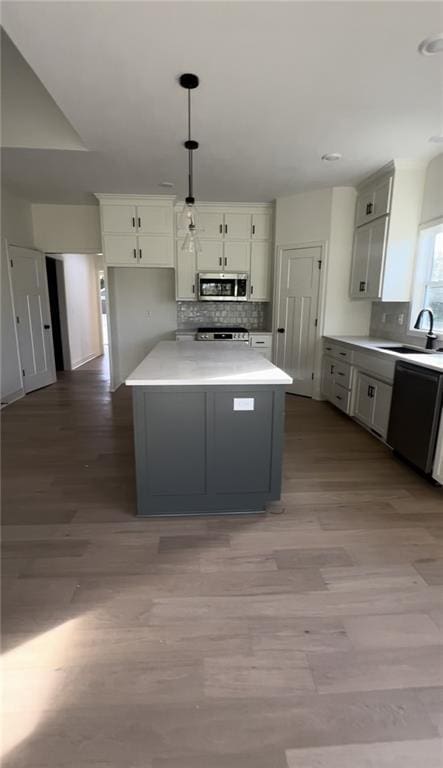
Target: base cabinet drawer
342	374
341	397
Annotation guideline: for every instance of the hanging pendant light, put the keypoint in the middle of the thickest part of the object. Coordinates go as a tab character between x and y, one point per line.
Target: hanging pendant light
189	216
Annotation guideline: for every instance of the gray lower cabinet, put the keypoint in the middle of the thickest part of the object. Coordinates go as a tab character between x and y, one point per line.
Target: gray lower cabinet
198	452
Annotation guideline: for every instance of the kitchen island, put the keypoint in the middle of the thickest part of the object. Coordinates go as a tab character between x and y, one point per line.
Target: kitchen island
208	429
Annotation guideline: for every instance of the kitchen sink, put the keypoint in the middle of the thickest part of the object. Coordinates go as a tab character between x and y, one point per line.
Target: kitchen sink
409	350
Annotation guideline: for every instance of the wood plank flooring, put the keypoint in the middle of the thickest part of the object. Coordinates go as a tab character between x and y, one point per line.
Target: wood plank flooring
309	637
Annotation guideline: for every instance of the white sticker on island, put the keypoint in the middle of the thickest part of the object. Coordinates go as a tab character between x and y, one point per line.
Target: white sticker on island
244	403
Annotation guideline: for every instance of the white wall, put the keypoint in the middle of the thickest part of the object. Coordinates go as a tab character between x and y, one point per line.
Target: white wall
16	224
30	116
432	207
66	228
303	218
82	307
341	314
143	312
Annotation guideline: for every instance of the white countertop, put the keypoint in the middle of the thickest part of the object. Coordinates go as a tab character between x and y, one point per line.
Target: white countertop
205	363
368	344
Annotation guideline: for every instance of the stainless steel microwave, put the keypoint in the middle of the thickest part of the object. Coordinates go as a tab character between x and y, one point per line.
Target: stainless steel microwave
213	286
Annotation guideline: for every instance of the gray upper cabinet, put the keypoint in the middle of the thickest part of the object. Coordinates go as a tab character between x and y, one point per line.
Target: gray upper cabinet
386	222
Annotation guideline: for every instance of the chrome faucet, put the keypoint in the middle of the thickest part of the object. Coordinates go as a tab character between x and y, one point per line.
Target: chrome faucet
431	337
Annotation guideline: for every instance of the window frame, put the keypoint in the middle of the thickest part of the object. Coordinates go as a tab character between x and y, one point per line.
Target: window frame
422	273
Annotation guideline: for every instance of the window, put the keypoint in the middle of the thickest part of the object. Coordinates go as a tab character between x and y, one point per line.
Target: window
428	283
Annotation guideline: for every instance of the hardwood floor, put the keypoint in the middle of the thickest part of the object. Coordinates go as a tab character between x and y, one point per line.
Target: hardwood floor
309	637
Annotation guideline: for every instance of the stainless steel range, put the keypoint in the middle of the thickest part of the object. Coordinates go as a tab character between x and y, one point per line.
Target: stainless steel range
227	333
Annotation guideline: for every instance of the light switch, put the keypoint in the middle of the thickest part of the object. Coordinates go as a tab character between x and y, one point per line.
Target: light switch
244	404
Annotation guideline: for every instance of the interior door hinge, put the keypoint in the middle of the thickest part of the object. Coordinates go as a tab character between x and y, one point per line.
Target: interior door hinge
319	263
316	322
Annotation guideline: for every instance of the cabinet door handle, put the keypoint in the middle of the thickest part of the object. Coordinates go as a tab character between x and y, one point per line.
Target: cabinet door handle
252	291
220	261
370	207
253	229
226	229
362	286
135	253
332	369
226	261
221	229
141	253
193	287
139	222
133	221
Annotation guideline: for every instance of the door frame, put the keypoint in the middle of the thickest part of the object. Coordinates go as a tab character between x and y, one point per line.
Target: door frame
279	249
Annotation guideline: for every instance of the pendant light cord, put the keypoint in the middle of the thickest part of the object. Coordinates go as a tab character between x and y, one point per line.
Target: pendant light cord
190	171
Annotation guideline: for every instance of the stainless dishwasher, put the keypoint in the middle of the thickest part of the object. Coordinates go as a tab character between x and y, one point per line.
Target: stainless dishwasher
415	414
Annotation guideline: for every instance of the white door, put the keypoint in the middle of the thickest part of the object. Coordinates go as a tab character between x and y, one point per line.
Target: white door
236	256
260	271
30	290
298	287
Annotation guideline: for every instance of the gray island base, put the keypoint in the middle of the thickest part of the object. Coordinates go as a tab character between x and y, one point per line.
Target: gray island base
208	428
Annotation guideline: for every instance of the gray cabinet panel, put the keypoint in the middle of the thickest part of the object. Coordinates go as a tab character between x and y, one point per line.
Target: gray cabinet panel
243	442
176	445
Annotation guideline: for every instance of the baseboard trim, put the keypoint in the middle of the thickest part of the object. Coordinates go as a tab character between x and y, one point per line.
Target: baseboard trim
86	359
11	398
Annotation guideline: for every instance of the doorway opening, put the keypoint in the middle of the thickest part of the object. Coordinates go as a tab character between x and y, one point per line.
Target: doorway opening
54	306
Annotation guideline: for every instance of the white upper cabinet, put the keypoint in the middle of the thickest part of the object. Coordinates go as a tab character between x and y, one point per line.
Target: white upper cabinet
233	238
260	277
118	218
154	219
121	250
137	231
237	226
261	226
211	225
236	256
210	259
387	218
374	200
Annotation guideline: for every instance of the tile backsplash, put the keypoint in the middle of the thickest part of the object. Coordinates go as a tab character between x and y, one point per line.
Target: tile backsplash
253	315
390	320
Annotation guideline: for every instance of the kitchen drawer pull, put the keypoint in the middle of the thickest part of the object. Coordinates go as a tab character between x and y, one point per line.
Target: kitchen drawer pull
343	354
328	349
340	373
339	397
259	342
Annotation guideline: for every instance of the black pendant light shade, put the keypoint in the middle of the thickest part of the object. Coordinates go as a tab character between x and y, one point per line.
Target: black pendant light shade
188	220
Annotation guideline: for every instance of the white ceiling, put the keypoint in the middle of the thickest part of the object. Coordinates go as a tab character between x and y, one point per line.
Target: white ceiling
281	84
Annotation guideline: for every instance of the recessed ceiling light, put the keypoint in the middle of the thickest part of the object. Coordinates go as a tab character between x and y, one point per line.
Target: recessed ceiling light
168	184
437	139
432	45
331	156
